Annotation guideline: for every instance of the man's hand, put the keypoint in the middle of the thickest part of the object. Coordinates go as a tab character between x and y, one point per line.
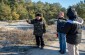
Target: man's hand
28	21
56	34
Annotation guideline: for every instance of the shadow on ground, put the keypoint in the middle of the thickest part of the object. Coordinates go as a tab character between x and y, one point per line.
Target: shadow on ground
82	52
26	50
31	50
83	41
43	52
14	50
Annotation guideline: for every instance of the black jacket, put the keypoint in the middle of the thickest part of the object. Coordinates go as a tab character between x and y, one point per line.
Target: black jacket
73	32
60	24
39	27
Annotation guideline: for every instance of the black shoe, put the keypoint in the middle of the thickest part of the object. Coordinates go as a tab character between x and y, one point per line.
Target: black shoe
61	52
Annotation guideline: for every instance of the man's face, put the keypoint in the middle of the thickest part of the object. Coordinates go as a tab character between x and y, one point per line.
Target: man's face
38	17
61	14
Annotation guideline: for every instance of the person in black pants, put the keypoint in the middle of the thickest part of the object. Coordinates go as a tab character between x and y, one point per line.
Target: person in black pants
39	29
38	40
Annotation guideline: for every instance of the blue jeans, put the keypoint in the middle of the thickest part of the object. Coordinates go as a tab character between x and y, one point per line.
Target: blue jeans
62	41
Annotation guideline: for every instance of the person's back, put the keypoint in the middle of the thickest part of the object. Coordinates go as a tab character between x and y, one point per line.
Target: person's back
73	27
73	31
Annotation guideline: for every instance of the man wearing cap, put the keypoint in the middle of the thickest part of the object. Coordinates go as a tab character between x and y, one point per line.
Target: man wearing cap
39	30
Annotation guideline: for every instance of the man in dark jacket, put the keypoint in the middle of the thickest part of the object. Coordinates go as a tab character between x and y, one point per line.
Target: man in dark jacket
62	37
73	31
39	30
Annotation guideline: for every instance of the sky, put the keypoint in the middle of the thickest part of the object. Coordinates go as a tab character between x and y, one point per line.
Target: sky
64	3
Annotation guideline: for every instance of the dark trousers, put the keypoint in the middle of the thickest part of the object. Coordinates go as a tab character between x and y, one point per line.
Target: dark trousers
39	40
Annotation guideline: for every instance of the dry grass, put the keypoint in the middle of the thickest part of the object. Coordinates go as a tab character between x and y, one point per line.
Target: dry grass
23	37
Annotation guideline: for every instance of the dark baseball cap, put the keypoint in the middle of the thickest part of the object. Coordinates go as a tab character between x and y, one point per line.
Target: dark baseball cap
38	14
